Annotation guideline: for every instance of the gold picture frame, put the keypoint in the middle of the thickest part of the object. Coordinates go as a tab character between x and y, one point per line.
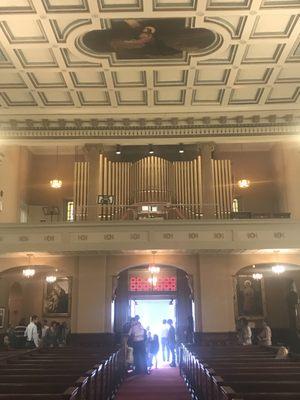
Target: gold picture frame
249	297
57	298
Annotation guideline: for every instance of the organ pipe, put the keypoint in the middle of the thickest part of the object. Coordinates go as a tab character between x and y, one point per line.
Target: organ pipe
223	186
81	177
153	179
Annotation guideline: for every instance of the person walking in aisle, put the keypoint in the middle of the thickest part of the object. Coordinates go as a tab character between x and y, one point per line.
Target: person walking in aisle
31	333
164	341
138	335
172	342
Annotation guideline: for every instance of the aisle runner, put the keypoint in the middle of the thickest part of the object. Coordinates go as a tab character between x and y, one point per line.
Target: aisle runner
162	384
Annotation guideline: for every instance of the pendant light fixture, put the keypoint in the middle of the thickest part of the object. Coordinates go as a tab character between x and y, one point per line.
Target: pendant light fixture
243	182
51	278
154	271
28	272
56	183
278	269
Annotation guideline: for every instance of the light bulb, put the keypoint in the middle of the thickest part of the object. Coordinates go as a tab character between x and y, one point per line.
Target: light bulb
257	276
118	150
181	149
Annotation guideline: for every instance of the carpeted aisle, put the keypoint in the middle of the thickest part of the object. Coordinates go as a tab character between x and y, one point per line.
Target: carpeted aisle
161	384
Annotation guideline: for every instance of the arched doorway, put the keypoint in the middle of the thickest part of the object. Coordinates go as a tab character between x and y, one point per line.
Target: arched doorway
170	297
270	291
15	304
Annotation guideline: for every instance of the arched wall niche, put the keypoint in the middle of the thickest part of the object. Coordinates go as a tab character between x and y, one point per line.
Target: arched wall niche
274	297
22	297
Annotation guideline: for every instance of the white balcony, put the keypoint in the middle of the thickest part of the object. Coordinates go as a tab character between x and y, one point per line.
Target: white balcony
223	235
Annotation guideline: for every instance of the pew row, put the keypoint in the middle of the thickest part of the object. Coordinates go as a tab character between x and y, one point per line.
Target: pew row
64	373
238	373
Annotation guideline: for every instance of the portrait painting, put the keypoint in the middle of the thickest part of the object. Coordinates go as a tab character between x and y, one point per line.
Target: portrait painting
249	297
149	39
57	298
2	317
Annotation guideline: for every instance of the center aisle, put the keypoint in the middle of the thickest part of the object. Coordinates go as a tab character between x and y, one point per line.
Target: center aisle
161	384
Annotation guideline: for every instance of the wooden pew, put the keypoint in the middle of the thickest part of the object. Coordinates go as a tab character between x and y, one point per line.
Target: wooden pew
72	393
248	373
29	374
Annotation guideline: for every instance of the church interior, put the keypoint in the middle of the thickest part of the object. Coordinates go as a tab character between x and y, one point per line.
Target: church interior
150	167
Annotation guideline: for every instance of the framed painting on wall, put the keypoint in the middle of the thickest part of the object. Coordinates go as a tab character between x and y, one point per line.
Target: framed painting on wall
2	317
57	298
249	295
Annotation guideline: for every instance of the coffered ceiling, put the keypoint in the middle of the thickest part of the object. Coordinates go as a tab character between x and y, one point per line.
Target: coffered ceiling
47	77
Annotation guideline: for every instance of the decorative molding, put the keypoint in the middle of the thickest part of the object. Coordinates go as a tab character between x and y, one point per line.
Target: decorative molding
128	235
139	128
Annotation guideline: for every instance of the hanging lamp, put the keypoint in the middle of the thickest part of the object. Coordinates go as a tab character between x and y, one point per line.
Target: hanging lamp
28	272
243	182
56	183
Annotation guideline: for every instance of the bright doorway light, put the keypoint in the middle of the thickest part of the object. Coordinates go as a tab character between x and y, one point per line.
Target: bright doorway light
152	313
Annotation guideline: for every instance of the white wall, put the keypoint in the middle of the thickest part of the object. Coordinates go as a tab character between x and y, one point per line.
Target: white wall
93	276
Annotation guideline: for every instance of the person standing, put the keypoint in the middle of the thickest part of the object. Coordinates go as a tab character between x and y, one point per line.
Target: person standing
164	341
172	342
153	350
51	336
138	335
31	333
265	335
245	333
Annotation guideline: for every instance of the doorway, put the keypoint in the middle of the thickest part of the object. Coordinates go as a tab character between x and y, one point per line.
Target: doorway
173	294
152	312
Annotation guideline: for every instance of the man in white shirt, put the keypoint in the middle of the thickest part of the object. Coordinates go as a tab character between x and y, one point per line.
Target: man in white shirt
164	341
31	333
138	335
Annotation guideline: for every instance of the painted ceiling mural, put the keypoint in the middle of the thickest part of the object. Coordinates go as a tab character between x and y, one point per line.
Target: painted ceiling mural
150	39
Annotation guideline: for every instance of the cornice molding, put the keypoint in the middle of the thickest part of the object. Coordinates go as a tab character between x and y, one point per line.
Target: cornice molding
101	132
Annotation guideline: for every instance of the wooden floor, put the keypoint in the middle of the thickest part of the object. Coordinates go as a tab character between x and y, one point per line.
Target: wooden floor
163	383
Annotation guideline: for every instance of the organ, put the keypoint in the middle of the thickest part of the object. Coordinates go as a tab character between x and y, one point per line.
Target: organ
153	187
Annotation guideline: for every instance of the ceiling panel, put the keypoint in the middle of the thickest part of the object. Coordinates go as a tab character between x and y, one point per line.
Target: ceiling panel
46	73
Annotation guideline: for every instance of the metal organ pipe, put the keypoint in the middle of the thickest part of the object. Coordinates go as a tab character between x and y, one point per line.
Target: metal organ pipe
153	179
